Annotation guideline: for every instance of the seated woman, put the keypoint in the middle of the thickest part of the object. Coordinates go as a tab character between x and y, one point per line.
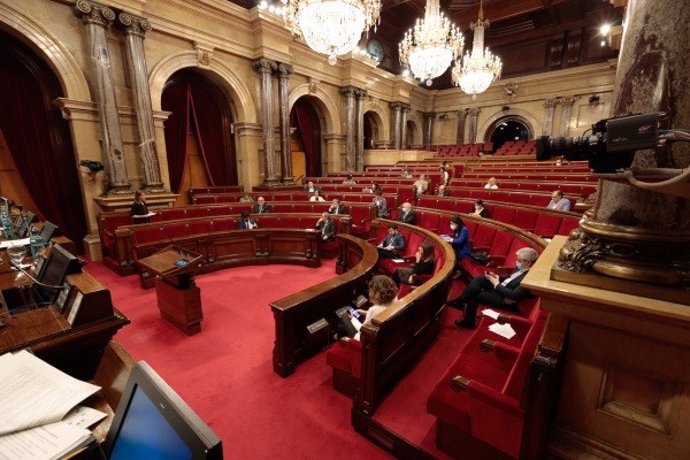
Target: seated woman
247	198
139	211
459	238
480	210
382	292
424	265
381	205
316	196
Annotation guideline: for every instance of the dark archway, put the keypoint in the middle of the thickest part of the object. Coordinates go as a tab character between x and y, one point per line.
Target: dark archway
369	125
37	138
410	134
509	128
304	118
200	111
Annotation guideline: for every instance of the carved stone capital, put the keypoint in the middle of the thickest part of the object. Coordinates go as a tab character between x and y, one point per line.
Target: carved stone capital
94	13
348	91
405	106
429	115
133	25
396	105
474	111
568	100
360	94
285	70
264	65
550	103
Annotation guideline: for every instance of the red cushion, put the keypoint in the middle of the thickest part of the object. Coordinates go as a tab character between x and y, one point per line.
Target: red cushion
346	355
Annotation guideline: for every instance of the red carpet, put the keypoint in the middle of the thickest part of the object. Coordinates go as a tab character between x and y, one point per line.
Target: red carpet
225	373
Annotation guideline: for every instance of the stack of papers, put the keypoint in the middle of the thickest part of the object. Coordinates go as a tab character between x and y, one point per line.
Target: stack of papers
38	419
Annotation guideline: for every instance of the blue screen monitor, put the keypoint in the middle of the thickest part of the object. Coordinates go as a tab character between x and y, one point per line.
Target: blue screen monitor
152	422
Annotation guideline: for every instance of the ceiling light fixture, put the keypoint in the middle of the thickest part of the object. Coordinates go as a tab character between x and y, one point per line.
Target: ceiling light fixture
431	45
332	27
479	68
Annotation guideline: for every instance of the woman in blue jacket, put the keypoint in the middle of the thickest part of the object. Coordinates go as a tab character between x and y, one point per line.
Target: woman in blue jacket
459	238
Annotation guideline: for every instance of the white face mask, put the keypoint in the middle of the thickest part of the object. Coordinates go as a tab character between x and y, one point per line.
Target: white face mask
518	265
453	227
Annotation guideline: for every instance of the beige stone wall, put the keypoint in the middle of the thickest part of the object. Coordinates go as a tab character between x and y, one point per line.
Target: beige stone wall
222	40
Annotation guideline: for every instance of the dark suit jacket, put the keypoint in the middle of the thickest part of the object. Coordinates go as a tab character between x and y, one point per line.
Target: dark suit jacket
327	229
396	240
339	210
242	224
408	218
513	290
265	209
138	209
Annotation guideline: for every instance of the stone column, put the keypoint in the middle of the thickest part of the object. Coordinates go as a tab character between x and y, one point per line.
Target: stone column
403	126
549	107
265	68
474	115
135	28
395	124
350	128
567	104
360	94
460	133
97	18
284	72
428	128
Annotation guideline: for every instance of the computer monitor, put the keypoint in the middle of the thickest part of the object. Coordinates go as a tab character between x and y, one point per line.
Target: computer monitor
58	265
153	422
48	230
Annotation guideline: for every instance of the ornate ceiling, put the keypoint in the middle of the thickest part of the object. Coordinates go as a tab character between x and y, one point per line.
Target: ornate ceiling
530	36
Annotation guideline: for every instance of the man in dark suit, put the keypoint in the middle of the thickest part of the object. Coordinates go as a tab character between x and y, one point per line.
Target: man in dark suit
326	226
406	214
311	188
502	292
261	207
337	207
246	222
392	243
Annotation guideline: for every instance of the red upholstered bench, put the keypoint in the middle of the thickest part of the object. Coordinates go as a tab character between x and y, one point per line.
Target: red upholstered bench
345	357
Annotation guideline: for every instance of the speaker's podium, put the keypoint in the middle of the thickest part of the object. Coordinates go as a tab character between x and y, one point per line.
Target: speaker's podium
179	299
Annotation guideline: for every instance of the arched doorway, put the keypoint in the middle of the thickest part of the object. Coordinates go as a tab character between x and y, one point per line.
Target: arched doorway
306	139
410	134
371	130
198	141
509	128
34	138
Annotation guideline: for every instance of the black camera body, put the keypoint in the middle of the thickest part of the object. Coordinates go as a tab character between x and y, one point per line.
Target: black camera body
610	147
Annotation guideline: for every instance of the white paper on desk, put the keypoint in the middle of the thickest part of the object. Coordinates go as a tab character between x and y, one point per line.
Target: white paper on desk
19	242
493	314
47	442
34	393
398	261
504	330
141	216
84	417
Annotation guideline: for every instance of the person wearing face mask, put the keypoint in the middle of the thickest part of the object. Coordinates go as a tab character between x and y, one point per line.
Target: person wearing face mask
406	214
459	238
495	291
480	210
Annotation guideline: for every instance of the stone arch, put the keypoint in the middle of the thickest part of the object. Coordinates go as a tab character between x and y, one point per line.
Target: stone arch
324	104
414	128
528	118
55	54
381	117
242	103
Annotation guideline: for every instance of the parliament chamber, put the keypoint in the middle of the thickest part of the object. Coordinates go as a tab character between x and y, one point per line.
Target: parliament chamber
205	196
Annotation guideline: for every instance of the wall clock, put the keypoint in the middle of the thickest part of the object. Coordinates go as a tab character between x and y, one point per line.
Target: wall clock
375	49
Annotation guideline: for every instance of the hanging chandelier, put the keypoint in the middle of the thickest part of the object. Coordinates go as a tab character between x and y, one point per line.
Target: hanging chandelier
431	45
332	27
479	67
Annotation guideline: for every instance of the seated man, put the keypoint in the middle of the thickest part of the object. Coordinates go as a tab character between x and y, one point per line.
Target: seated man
495	291
420	186
337	207
406	214
349	181
326	226
406	174
261	207
247	198
311	188
492	184
445	173
442	190
559	202
381	205
246	222
316	196
392	243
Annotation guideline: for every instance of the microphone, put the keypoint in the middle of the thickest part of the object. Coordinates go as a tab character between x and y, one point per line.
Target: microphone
34	280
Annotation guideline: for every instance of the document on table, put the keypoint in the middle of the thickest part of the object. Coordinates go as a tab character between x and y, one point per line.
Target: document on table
142	216
504	330
490	313
20	242
35	393
47	442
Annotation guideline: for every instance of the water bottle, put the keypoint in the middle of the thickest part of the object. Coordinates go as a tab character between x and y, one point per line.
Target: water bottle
6	223
35	242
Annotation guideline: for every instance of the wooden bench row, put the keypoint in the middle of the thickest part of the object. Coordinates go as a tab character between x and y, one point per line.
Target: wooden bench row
535	198
562	176
576	189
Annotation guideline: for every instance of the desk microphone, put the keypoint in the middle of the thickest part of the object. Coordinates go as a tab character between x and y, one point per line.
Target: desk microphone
34	280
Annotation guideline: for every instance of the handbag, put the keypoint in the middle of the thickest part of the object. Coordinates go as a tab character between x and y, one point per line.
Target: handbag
480	257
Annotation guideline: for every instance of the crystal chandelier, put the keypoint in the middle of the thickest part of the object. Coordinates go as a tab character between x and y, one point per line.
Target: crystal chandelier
332	27
479	68
431	45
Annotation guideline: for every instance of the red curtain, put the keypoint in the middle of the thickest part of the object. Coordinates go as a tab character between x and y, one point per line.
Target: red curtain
306	120
38	137
196	105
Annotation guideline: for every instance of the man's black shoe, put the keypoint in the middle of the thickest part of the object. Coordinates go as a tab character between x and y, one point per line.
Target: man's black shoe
456	303
464	324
